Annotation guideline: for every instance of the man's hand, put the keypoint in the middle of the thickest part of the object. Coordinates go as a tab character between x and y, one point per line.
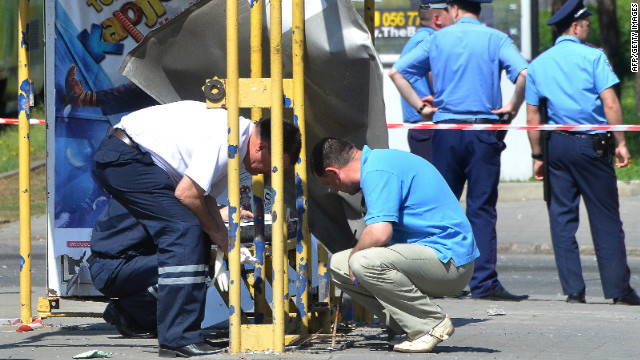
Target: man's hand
506	110
622	156
537	170
244	214
429	110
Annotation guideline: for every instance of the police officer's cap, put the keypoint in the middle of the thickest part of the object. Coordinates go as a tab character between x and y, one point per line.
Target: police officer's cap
571	11
433	4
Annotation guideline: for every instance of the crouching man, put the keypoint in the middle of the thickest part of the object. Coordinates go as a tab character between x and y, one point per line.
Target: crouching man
417	243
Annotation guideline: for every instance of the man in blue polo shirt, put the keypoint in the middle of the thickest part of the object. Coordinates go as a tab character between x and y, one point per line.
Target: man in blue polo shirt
417	243
465	60
433	17
576	81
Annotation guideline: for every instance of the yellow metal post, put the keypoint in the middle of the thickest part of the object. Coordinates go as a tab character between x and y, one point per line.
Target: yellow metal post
278	214
303	238
369	18
262	309
24	94
233	114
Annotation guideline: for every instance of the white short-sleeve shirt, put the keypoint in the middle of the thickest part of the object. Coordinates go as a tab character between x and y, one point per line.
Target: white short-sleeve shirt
187	138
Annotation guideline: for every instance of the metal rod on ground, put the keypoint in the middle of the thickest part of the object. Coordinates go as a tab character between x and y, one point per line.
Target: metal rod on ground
335	322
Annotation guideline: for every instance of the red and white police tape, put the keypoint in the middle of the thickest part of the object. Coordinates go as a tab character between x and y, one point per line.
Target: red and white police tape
471	126
37	323
17	121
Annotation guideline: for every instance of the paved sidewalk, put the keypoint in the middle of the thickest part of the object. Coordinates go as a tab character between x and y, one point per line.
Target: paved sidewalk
544	327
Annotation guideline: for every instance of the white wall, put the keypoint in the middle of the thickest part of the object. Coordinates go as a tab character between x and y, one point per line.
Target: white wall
516	159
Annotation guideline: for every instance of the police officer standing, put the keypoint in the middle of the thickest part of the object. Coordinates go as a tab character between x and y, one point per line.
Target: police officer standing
433	17
163	167
466	60
576	82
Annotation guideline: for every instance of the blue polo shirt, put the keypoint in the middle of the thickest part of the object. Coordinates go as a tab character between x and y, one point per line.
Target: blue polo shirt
571	76
465	60
422	86
407	191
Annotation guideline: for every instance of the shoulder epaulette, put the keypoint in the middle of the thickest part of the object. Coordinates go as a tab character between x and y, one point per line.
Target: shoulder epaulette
593	46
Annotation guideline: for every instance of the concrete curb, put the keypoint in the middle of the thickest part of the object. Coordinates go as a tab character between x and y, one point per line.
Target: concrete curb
15	172
524	191
547	249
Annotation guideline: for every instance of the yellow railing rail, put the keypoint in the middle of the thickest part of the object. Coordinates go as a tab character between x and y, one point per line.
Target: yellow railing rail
24	94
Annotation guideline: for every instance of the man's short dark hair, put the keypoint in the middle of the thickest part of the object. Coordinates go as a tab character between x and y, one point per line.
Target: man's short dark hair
291	138
330	151
468	6
563	26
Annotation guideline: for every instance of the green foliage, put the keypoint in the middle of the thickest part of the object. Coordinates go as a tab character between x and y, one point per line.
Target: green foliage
627	100
623	13
10	143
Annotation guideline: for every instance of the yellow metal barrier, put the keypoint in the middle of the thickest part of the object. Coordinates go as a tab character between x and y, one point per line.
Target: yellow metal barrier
303	238
258	286
256	92
233	175
277	180
24	93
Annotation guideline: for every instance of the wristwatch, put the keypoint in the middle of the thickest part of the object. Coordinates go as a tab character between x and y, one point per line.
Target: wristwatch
421	108
536	156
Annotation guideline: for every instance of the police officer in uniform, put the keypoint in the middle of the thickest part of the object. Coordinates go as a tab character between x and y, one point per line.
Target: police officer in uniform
576	81
465	60
163	167
433	17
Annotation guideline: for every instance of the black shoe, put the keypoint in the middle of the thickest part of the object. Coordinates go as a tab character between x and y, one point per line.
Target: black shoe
190	350
631	298
125	325
392	334
502	294
576	299
462	294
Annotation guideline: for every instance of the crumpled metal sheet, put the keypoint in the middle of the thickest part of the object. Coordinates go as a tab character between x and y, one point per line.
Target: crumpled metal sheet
343	87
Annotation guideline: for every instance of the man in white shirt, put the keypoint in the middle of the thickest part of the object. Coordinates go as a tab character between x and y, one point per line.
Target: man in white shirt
163	167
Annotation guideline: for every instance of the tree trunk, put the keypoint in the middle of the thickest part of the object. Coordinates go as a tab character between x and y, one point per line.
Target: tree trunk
609	33
637	95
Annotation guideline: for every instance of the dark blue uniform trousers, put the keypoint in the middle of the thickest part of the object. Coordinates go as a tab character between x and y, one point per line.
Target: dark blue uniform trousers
576	170
420	142
474	157
125	264
182	249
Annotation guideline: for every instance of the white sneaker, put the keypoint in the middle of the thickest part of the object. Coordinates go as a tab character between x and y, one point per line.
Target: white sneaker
427	342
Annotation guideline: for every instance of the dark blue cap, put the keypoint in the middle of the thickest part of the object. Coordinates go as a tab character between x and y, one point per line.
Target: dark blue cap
571	11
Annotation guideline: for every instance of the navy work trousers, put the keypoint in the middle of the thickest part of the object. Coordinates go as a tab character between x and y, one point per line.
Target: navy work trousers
182	248
420	142
576	170
474	157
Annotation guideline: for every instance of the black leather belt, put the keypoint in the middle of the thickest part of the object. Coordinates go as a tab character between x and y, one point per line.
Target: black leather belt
577	134
469	121
122	135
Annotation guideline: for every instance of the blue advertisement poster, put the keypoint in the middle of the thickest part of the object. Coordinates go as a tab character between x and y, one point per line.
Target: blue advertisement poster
90	40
